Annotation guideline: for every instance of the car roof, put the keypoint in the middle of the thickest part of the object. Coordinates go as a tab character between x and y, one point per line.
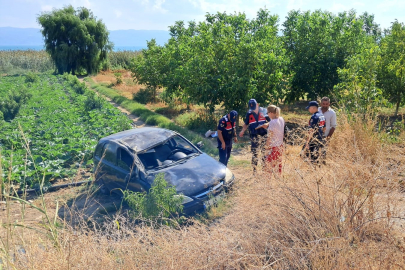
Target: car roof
139	139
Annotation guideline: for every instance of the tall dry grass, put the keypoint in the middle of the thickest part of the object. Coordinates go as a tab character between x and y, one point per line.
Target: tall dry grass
342	215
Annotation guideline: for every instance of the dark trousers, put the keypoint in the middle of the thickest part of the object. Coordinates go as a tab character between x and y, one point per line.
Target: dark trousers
225	154
316	151
258	147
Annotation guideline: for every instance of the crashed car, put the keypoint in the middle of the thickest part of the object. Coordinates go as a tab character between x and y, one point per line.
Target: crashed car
132	159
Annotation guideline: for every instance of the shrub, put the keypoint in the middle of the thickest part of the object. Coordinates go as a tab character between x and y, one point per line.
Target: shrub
31	77
160	202
92	101
144	95
118	78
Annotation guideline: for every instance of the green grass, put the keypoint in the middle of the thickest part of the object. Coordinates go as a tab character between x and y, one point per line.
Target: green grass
150	117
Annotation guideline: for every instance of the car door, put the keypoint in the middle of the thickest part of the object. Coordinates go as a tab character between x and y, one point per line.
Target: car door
127	171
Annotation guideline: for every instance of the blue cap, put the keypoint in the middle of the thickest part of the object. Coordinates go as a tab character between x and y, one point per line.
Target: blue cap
312	103
232	116
252	104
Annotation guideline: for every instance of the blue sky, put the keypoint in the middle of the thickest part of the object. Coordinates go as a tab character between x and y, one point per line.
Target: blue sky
159	14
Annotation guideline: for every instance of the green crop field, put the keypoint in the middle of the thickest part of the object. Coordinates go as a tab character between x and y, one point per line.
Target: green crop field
51	126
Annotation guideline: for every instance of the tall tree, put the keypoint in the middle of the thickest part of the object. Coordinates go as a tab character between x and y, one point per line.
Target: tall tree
357	90
75	39
392	69
319	43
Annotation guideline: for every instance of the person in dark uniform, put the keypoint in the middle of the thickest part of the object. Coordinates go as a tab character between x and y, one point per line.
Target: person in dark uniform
255	118
316	128
226	131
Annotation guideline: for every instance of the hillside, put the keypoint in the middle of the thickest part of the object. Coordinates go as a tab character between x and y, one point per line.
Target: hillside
11	36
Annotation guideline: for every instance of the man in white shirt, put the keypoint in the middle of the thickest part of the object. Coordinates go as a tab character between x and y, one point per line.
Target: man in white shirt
330	117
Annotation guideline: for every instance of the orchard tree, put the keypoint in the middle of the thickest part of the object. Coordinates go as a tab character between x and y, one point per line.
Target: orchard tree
357	90
147	68
392	68
319	43
75	39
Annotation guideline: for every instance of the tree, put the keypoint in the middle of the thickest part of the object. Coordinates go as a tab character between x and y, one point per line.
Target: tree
319	43
75	39
147	68
391	75
357	90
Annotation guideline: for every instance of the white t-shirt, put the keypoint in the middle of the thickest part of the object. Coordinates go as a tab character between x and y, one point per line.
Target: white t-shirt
330	119
276	131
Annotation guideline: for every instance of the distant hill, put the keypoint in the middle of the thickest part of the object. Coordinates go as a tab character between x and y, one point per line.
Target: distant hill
26	37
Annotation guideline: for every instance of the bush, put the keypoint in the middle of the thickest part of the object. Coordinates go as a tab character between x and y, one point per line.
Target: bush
118	78
79	87
31	77
92	101
144	95
199	121
160	202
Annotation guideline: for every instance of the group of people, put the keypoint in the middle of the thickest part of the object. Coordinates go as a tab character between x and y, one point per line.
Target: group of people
267	131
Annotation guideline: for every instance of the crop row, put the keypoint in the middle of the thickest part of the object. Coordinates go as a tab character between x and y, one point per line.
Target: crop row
55	130
19	61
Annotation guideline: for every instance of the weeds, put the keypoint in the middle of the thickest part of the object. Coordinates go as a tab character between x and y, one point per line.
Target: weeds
160	203
342	215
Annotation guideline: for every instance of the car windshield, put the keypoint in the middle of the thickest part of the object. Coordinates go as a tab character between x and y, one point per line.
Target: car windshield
167	153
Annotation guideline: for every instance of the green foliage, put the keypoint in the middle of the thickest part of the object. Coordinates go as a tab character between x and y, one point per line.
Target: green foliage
75	39
121	59
392	69
53	131
147	68
13	97
200	120
19	62
397	128
358	91
92	101
225	60
318	43
31	77
160	202
79	87
118	78
144	95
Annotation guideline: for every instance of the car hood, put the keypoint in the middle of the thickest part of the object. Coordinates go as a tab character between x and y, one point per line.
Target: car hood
192	176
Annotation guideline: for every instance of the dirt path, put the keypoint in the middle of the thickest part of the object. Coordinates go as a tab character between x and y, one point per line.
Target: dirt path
135	119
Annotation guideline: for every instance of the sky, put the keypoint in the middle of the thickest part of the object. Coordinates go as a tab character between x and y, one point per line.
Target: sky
160	14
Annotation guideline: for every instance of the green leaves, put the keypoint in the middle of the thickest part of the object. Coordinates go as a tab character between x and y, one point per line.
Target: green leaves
160	202
225	60
60	129
76	41
392	67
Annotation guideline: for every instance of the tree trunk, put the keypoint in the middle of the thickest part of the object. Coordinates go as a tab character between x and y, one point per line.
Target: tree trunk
397	108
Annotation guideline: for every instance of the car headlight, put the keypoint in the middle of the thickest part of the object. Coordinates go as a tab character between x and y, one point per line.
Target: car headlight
186	199
229	177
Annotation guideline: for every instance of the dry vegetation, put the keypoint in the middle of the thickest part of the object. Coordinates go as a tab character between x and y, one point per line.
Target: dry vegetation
126	89
346	214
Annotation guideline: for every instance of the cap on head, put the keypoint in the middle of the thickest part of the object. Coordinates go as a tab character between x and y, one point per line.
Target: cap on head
252	104
312	103
232	116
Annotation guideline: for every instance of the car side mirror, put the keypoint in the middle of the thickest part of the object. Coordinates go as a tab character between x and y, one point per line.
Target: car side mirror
199	145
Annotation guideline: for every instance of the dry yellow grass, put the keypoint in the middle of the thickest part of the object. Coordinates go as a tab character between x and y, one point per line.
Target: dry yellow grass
343	215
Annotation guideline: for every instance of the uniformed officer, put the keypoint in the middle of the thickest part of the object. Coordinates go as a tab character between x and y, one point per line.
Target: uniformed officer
226	131
315	140
255	118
